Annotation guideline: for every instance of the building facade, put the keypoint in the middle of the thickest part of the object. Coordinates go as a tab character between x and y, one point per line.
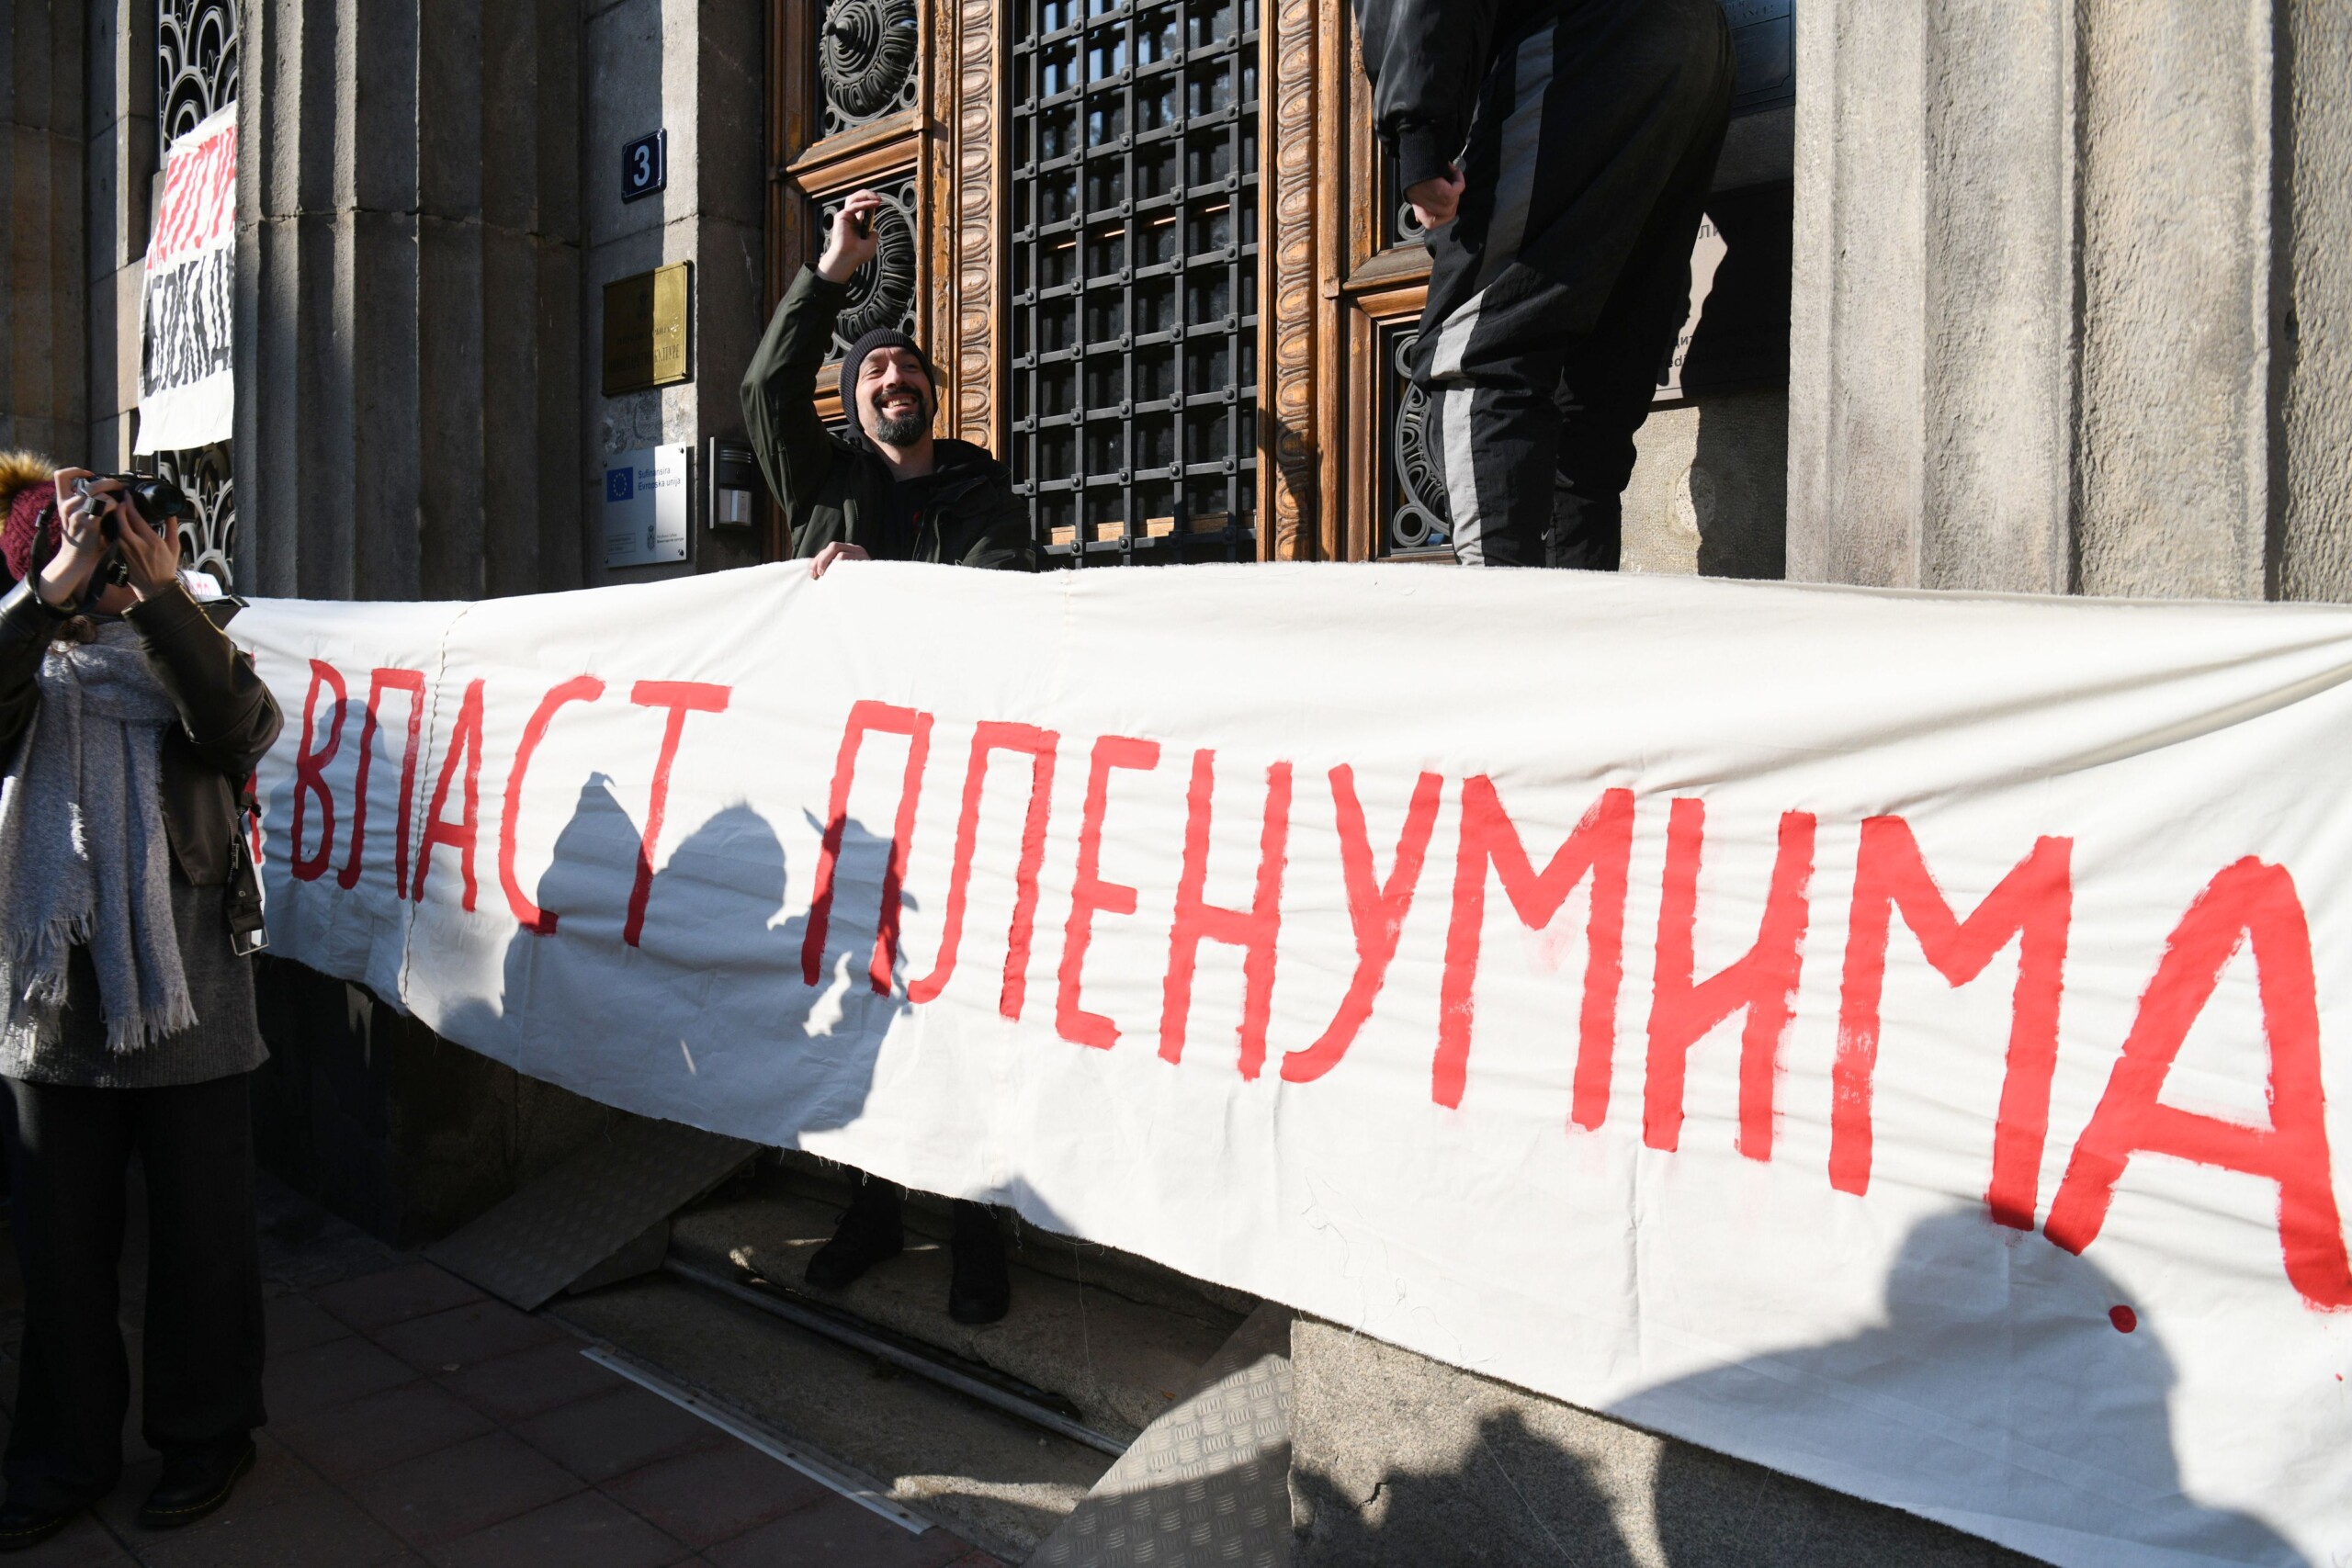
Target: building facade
2048	296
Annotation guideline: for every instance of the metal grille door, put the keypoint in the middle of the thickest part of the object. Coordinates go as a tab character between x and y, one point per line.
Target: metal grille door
1134	325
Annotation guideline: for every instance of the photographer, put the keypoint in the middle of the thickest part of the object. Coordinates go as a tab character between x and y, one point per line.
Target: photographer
128	903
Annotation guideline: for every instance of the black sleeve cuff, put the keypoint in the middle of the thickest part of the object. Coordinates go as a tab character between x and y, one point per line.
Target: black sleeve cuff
24	599
1423	153
167	608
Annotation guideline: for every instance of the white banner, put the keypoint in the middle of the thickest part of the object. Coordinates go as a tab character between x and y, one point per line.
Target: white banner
186	390
1885	1036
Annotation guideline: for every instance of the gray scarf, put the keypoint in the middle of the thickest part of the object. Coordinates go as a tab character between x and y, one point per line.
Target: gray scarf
82	855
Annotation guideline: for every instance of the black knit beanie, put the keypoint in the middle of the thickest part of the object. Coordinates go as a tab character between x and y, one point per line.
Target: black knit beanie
855	360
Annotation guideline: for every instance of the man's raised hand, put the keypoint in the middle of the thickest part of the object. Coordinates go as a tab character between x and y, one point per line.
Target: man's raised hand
852	241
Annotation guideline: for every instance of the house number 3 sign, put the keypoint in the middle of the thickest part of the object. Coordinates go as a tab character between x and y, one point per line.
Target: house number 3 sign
644	166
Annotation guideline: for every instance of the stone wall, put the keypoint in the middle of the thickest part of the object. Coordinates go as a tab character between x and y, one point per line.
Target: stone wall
1709	489
387	1124
123	160
42	345
407	401
692	66
1709	493
2069	308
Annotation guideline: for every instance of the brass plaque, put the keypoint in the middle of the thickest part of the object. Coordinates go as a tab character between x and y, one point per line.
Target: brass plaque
645	330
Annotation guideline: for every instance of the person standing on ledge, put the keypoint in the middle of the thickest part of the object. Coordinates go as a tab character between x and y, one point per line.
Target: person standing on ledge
885	490
1559	155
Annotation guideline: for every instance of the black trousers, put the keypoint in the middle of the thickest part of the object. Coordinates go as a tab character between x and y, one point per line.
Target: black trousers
1558	289
68	1156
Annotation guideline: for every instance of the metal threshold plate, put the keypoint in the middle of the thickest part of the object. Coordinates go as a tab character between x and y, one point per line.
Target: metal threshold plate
1207	1486
988	1385
576	1216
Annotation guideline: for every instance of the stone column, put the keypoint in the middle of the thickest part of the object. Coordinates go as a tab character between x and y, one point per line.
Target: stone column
42	335
1931	367
408	295
123	159
408	385
2047	253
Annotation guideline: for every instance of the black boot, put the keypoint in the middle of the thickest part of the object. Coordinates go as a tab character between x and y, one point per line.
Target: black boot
869	1233
981	1290
23	1527
193	1482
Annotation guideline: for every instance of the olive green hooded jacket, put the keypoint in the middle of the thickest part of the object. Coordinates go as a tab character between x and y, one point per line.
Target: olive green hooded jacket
835	487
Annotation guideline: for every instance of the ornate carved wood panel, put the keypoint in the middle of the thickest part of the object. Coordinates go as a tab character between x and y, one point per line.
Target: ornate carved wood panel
1288	406
1413	501
882	292
966	182
1339	277
1376	283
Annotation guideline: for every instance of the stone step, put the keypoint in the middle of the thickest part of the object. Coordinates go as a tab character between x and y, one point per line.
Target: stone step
1207	1486
1117	1338
987	1475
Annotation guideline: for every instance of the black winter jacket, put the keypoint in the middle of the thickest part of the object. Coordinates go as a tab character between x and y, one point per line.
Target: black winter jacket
834	488
1427	59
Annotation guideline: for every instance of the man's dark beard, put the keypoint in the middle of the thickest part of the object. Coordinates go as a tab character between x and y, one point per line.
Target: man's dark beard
905	429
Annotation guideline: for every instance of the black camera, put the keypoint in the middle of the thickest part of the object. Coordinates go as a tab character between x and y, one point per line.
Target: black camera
159	501
156	498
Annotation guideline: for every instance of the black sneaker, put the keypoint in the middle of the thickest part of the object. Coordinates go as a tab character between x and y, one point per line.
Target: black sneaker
869	1233
981	1289
23	1527
193	1482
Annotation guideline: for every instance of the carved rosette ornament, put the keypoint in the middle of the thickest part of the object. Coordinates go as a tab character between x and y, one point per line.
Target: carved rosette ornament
882	292
196	74
1421	520
865	61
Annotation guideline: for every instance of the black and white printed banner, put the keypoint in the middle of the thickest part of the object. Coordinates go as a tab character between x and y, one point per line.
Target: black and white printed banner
186	390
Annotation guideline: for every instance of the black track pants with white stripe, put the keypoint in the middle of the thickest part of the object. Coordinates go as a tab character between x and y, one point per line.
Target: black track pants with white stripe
1557	289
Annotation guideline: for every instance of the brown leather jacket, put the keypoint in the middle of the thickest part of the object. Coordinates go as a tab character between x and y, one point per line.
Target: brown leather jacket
228	719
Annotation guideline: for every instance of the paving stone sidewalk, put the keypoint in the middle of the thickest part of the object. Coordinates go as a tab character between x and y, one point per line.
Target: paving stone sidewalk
414	1420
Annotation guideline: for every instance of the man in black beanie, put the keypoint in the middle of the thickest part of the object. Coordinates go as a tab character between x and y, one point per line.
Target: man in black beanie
887	489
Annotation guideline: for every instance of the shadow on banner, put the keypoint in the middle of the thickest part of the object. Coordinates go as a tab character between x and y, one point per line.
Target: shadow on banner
1499	1480
711	1001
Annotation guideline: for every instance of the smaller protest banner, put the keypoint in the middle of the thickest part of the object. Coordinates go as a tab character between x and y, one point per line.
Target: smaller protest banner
187	393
